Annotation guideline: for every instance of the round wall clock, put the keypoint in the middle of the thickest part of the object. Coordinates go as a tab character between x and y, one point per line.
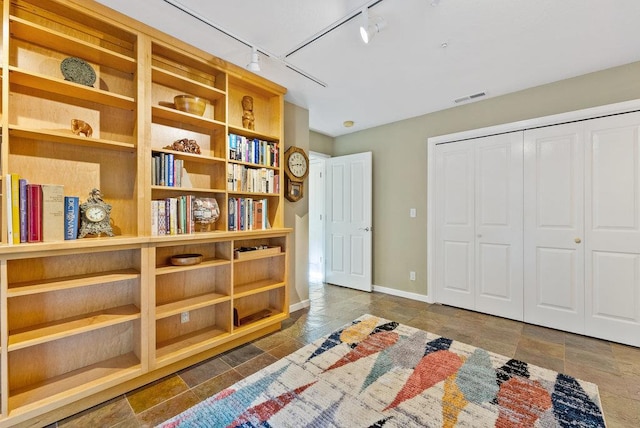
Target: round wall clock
296	164
296	167
95	216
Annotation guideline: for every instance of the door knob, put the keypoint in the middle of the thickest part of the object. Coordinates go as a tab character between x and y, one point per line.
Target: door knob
366	229
578	240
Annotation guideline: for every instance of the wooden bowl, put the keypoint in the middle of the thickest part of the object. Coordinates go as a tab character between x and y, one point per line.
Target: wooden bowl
190	104
186	259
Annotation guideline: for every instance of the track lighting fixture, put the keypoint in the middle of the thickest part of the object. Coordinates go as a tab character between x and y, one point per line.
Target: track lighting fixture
370	26
254	65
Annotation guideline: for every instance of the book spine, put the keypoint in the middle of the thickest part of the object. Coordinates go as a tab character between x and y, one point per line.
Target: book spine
23	211
173	216
8	202
154	218
34	206
72	212
162	217
170	168
15	207
52	212
163	170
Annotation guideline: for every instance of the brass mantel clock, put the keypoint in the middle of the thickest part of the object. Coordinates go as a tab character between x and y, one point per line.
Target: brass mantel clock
95	216
296	166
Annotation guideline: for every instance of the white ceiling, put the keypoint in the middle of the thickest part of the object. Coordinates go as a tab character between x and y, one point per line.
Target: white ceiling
495	46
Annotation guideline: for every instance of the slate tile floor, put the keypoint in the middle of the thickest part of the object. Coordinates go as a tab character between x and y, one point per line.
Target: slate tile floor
614	367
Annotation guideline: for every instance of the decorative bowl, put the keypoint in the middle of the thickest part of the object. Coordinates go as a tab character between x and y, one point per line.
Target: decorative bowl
190	104
186	259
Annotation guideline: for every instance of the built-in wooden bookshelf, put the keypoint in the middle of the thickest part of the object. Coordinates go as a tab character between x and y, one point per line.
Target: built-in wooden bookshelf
98	316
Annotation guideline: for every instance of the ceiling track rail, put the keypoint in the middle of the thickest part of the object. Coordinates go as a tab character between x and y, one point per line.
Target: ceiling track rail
245	42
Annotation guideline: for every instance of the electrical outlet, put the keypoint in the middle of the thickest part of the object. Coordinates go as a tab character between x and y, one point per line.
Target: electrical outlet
184	317
412	276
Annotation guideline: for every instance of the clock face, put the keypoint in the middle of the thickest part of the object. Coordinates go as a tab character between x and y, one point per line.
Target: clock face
297	164
95	214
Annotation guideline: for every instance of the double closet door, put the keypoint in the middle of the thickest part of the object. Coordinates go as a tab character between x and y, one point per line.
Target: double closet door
582	227
543	225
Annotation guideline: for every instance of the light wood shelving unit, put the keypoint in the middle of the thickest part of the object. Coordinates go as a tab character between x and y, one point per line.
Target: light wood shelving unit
85	320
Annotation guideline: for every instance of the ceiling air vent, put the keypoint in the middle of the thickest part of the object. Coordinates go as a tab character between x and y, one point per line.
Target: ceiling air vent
469	97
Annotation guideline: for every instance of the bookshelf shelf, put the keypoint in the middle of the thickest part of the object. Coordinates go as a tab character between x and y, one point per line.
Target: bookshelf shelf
63	283
67	137
31	32
80	92
39	334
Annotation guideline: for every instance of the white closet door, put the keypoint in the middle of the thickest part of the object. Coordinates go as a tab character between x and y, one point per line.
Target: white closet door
479	224
554	227
612	220
498	225
455	218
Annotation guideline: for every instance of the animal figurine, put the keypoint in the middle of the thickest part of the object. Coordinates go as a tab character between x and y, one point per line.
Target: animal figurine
248	118
81	127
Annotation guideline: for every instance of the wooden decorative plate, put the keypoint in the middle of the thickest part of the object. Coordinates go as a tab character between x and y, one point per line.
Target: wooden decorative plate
186	259
78	71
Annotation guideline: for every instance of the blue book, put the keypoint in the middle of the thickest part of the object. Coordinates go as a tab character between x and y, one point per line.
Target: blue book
233	146
71	213
170	166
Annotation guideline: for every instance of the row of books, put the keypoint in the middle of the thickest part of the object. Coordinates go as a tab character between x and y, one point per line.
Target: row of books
253	150
245	179
183	214
39	212
168	171
248	214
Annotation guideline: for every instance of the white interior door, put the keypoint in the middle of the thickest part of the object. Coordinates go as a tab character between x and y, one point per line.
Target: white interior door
349	221
455	224
498	226
554	227
612	220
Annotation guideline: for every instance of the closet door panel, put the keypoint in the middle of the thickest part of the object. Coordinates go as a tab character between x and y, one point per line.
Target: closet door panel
553	227
499	225
612	220
455	224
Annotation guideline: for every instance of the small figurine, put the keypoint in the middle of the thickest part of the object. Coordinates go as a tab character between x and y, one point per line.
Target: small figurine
81	127
185	145
247	113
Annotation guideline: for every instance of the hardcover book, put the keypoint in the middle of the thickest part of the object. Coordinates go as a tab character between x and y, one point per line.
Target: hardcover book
53	211
34	209
71	214
15	207
23	210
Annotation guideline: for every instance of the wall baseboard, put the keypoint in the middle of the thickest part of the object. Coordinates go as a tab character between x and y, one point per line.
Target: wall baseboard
300	305
405	294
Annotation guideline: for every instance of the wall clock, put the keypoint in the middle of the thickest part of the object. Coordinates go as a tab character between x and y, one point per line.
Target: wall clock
95	216
296	167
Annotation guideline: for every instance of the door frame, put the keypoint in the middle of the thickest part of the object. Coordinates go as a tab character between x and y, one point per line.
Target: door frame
589	113
319	206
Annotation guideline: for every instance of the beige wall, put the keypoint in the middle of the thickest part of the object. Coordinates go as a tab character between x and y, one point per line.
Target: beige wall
320	143
296	214
400	159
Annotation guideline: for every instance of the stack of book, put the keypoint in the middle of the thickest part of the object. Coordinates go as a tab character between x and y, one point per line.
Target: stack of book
39	212
168	171
183	215
248	214
244	179
253	150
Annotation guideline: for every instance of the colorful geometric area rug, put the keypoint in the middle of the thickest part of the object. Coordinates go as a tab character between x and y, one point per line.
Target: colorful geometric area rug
379	373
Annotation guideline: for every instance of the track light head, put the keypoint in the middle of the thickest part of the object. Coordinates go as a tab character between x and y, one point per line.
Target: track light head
370	26
254	65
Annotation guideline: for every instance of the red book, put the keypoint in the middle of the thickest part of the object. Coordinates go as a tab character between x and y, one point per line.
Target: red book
34	210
